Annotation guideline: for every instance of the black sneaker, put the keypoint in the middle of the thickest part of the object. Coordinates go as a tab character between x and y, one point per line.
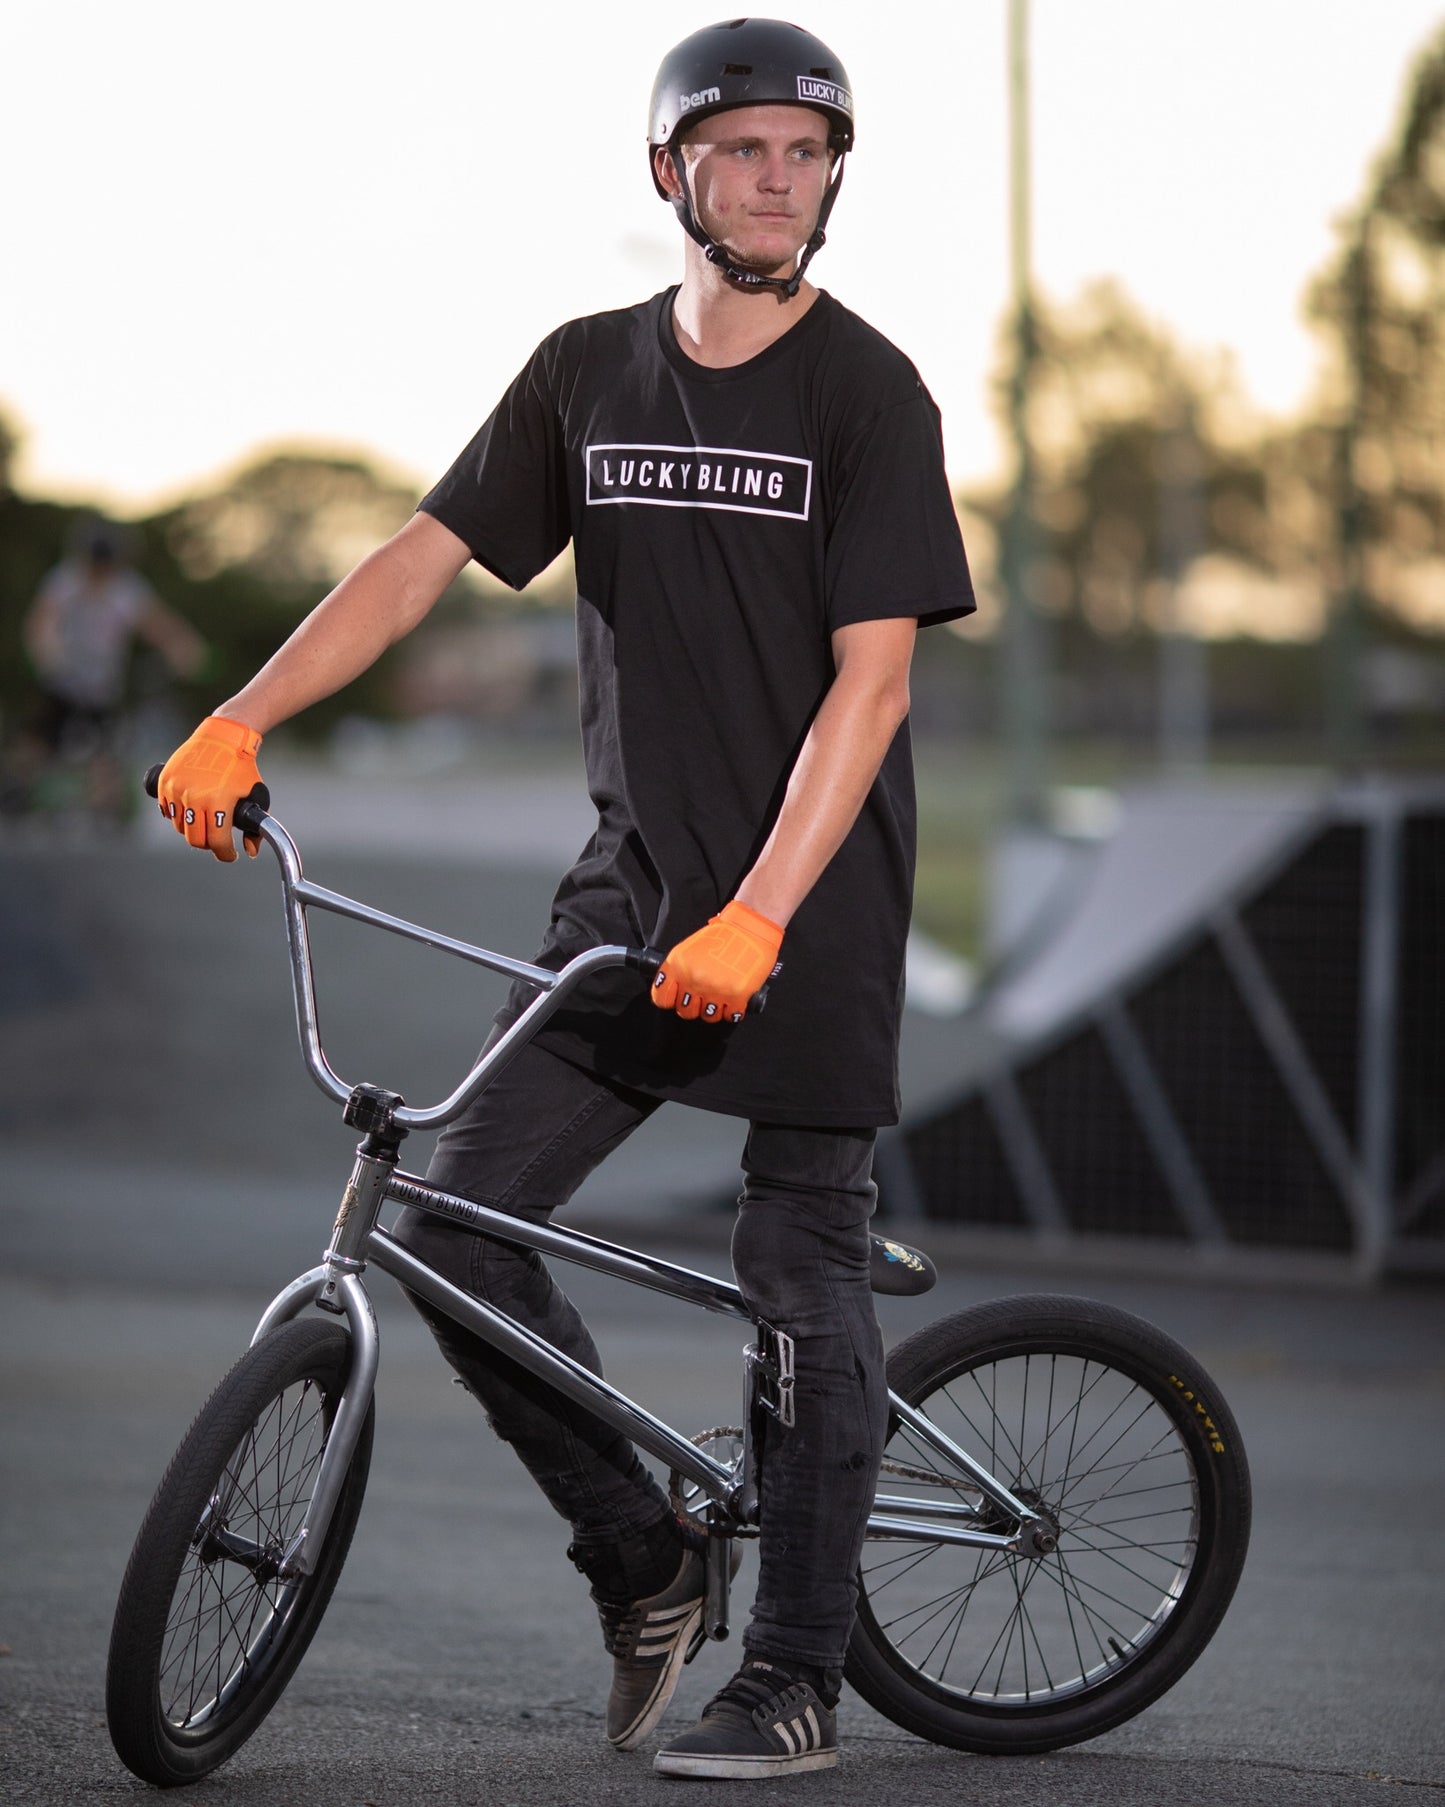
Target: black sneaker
649	1641
763	1723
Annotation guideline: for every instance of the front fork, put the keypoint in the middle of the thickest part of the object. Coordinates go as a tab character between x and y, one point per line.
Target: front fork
336	1286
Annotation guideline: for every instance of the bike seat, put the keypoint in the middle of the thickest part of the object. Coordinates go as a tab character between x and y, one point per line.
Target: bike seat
897	1268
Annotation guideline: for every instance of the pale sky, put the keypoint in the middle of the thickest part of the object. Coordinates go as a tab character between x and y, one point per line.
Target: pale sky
348	224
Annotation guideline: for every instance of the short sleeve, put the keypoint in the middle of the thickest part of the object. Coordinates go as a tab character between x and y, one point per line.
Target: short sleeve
135	599
894	546
506	495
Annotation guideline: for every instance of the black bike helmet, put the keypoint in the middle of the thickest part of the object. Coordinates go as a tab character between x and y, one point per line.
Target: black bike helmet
748	63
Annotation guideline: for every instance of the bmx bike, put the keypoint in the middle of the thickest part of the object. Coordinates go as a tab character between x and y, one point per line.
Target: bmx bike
1061	1520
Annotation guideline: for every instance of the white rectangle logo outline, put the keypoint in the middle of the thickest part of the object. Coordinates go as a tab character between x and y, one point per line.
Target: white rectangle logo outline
813	88
699	499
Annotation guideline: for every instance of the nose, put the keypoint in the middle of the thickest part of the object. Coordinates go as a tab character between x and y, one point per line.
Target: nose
776	177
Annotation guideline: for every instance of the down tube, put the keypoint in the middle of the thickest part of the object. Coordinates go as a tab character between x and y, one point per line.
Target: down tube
552	1365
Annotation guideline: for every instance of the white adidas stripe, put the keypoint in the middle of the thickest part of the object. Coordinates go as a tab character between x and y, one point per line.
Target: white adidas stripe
801	1734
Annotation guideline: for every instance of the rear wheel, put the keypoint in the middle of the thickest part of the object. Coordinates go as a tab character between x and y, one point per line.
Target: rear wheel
208	1630
1121	1445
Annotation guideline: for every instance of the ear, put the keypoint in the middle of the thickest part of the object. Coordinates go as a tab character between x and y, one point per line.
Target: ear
666	174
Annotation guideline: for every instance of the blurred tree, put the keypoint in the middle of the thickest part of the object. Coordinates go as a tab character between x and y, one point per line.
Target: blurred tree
295	520
9	446
1382	304
1122	418
247	560
1163	505
1148	496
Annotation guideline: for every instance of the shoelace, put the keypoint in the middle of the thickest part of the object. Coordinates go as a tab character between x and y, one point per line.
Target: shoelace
752	1687
619	1617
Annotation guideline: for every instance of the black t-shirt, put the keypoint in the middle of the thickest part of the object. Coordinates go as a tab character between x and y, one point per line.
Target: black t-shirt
724	524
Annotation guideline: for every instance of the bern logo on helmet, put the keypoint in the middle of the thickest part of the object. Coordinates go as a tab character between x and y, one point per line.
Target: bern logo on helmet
829	93
703	98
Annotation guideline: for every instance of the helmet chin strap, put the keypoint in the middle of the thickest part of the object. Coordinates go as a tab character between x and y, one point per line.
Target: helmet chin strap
785	287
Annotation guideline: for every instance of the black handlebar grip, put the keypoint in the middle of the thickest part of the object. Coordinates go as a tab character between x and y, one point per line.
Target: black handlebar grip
251	808
649	960
248	811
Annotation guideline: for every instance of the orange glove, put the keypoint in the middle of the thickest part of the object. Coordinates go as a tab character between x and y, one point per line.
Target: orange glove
712	976
205	779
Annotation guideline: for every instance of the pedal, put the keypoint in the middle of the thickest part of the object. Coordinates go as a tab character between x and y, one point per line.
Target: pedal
770	1367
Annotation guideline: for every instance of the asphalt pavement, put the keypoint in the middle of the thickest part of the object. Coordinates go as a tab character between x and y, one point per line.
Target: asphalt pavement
460	1661
157	1192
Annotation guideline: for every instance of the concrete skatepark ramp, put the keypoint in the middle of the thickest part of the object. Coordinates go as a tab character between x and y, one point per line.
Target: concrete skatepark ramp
1233	1040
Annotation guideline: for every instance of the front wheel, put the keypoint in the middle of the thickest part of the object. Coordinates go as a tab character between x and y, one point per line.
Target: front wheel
1122	1447
207	1630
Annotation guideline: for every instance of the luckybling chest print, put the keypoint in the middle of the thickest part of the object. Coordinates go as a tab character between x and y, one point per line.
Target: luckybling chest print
701	476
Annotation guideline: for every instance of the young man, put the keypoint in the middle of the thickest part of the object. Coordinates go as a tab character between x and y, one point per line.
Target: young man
753	483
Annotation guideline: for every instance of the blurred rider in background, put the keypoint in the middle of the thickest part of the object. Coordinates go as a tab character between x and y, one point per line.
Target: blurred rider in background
78	635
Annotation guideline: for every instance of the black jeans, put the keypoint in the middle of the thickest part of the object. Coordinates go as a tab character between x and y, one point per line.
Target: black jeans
800	1256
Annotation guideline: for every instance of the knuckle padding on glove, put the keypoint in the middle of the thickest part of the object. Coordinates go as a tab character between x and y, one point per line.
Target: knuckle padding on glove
713	974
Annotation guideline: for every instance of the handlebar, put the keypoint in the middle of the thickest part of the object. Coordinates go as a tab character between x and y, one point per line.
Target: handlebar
252	816
248	814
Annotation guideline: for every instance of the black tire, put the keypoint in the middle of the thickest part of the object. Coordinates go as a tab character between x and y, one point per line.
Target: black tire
1122	1441
205	1639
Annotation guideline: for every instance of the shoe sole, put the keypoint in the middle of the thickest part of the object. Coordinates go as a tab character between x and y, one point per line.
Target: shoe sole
738	1769
657	1703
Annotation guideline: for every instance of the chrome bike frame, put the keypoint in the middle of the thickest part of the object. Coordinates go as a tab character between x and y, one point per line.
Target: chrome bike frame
357	1240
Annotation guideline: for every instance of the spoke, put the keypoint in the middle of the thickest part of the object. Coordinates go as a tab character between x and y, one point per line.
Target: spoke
1114	1526
1130	1493
1074	1411
1122	1470
1133	1463
1017	1618
958	1619
1074	1422
1069	1611
991	1401
943	1602
957	1624
910	1558
1043	1455
988	1657
1103	1425
1099	1550
1104	1594
959	1485
1029	1626
1148	1547
1071	1591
